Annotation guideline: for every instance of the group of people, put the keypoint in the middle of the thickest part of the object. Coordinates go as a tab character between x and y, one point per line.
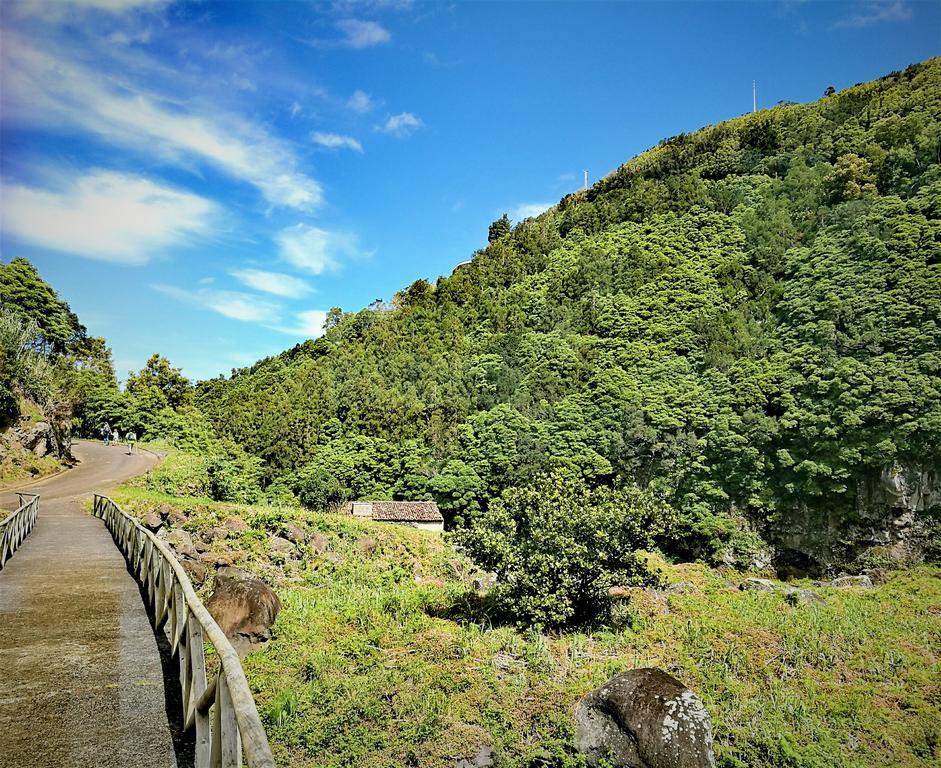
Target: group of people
113	437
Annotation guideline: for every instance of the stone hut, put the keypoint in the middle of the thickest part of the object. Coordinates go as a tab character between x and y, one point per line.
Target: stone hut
417	514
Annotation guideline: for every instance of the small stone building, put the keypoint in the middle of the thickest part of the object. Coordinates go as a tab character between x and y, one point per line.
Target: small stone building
417	514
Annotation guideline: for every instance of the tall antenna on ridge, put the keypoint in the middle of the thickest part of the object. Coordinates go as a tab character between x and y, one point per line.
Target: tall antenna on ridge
754	96
586	179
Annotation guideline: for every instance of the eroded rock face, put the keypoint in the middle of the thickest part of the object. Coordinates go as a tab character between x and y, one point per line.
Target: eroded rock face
644	718
888	516
44	438
244	607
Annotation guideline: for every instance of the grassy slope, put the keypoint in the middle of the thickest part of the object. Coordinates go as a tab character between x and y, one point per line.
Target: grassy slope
365	669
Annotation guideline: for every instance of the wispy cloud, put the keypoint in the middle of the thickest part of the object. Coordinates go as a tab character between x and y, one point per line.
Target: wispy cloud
362	34
276	283
356	33
352	6
400	125
236	305
243	83
336	141
361	102
308	324
528	210
313	249
877	12
59	93
54	10
105	215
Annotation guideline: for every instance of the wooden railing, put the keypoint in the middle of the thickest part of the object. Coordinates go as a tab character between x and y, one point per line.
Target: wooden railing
221	710
17	525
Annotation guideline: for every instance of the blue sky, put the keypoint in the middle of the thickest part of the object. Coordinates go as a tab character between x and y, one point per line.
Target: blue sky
207	179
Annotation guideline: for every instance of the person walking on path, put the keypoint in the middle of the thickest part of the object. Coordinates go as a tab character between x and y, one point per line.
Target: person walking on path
117	436
106	433
131	439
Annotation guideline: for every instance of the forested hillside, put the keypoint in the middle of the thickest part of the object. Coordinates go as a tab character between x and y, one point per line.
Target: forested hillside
744	321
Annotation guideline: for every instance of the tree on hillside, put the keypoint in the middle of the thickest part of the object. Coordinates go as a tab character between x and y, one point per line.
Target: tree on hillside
23	370
499	228
159	375
25	293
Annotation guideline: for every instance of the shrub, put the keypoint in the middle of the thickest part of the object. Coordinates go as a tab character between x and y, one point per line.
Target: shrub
557	546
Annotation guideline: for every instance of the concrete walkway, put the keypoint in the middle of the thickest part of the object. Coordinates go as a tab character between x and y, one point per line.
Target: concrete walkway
81	680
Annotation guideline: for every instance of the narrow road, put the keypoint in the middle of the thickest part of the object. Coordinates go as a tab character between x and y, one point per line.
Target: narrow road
81	680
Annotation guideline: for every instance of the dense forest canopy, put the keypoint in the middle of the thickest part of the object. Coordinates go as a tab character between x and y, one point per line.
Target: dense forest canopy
743	321
741	324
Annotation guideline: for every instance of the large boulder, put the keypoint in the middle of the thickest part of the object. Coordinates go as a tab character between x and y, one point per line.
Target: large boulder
244	607
644	718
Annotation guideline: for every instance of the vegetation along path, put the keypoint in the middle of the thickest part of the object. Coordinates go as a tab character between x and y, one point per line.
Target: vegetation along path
80	665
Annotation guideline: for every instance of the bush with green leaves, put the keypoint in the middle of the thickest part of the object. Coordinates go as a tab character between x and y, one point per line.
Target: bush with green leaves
557	546
23	370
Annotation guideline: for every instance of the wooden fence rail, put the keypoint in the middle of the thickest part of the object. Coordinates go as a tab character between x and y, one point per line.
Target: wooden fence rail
17	525
221	709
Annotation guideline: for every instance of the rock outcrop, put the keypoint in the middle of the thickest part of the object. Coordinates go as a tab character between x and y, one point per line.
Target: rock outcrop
644	718
244	607
51	437
890	516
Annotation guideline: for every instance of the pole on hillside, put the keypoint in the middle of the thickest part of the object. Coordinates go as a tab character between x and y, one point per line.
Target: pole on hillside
586	179
754	96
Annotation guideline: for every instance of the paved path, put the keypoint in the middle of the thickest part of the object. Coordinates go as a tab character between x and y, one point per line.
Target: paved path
81	681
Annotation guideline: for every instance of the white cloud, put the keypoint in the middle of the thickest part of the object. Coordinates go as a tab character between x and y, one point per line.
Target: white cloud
878	12
352	6
243	83
115	6
528	210
308	325
336	141
400	125
362	34
105	215
127	38
313	249
41	89
276	283
236	305
55	10
361	102
295	109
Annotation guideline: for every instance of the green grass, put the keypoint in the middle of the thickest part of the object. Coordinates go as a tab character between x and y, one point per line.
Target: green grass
365	668
21	466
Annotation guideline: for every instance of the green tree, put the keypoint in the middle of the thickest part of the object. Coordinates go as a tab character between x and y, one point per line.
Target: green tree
557	546
160	375
500	228
25	293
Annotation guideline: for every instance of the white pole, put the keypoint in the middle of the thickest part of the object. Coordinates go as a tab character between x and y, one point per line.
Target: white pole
586	179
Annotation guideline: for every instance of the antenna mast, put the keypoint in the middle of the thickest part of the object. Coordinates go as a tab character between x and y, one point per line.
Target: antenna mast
754	96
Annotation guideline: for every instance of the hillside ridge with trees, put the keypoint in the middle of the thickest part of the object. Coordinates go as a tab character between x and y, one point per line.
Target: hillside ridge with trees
742	321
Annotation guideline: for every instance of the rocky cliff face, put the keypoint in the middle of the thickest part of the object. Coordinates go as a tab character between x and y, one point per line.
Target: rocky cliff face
895	515
49	437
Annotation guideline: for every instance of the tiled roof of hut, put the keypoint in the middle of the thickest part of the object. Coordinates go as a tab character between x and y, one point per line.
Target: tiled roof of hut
406	511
